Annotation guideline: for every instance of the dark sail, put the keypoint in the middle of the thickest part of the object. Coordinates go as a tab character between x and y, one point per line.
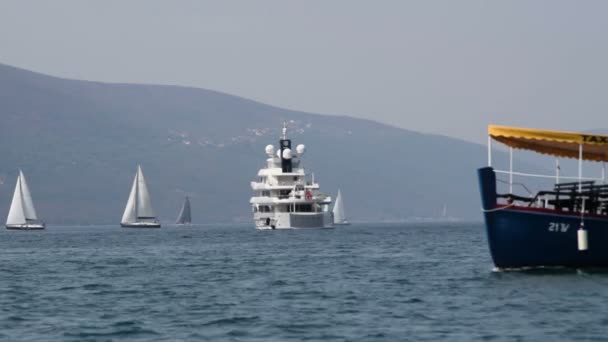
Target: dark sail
184	215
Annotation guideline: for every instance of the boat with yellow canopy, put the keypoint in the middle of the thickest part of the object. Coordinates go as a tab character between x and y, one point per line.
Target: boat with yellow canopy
563	225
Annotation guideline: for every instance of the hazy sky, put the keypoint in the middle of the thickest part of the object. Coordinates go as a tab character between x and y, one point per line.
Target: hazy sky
447	67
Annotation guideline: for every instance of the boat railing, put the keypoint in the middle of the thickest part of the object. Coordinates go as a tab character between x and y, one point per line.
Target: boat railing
280	183
522	185
575	182
564	196
557	178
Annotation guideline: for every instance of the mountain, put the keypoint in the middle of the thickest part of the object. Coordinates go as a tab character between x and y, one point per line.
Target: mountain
78	143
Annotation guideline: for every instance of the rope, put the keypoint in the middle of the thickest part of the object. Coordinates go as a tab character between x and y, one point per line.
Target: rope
516	183
497	209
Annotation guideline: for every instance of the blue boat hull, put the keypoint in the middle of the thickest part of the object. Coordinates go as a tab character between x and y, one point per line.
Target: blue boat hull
530	237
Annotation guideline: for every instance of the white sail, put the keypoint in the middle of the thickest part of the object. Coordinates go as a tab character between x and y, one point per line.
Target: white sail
339	216
16	214
144	205
28	203
184	216
129	216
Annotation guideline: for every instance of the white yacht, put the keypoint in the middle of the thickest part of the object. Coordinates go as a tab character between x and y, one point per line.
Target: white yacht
22	214
284	195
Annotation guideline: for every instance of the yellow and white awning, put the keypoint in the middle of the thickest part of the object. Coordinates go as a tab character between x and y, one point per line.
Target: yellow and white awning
556	143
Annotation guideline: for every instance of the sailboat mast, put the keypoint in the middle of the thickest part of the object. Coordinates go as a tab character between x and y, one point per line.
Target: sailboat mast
136	191
20	181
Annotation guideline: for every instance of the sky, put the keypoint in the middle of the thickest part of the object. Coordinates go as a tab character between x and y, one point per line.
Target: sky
444	67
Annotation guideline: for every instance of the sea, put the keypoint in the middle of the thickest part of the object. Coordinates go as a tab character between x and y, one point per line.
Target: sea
364	282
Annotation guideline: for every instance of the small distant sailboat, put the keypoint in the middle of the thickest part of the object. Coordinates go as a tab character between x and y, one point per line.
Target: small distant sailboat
22	214
339	216
139	212
184	216
444	215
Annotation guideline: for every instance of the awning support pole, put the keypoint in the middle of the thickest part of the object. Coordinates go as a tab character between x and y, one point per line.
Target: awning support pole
580	167
510	170
603	172
489	150
557	170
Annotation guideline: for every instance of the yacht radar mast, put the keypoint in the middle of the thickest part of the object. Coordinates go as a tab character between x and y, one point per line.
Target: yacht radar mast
284	131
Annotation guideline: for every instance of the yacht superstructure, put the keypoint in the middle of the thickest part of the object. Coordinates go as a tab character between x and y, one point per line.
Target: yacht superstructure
284	195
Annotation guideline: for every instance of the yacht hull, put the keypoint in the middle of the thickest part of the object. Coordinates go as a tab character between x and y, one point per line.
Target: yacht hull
281	228
522	237
25	226
285	228
140	225
293	221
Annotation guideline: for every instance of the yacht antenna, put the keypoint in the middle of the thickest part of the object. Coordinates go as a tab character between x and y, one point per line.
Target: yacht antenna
284	135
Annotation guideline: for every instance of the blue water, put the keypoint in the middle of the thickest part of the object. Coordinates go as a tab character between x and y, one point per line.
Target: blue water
417	282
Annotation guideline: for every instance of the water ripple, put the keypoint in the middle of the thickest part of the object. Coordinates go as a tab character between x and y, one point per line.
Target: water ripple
361	283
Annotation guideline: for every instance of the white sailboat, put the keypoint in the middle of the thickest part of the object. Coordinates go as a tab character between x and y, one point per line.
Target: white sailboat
444	215
138	212
22	214
184	216
339	216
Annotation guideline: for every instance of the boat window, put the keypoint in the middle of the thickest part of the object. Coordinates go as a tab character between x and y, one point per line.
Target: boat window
304	208
284	193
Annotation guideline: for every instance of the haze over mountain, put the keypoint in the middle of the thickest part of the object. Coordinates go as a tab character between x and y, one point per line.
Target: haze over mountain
442	67
79	142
